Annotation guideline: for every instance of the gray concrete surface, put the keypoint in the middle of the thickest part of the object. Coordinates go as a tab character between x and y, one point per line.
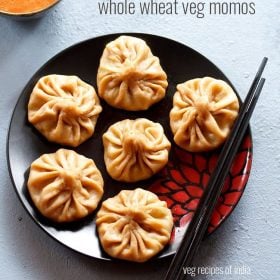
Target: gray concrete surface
250	237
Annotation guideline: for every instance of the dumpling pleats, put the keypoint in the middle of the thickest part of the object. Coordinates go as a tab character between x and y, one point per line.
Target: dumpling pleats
65	186
129	76
134	225
64	109
135	150
203	113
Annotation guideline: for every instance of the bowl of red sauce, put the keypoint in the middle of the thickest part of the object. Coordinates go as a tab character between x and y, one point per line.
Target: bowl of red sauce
26	9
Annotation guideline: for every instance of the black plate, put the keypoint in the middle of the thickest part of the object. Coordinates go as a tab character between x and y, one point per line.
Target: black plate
25	144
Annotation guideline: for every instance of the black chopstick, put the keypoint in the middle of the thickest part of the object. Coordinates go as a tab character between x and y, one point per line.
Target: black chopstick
199	223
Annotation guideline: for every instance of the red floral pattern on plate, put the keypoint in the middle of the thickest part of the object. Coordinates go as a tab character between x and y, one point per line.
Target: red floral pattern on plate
183	180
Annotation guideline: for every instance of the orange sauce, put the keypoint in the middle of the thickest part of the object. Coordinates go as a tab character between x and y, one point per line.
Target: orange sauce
24	6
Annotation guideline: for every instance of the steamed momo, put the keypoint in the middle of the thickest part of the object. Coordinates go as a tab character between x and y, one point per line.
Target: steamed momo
134	225
64	109
203	113
135	150
65	186
130	77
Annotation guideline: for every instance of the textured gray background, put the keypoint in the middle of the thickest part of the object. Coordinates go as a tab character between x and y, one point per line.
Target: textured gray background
236	44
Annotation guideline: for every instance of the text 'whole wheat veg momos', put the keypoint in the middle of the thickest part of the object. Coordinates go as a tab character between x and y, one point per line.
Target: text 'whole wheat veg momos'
129	76
64	109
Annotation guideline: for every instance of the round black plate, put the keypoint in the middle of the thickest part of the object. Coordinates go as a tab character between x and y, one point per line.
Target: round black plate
25	144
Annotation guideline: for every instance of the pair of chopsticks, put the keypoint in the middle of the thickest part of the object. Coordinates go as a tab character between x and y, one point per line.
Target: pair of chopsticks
199	223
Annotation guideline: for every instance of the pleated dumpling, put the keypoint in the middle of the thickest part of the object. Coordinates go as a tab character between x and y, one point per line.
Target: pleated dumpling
203	113
130	77
134	225
64	109
65	186
135	150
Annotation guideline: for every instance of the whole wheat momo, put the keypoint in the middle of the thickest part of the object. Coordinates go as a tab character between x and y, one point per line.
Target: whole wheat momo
203	113
65	186
134	225
64	109
130	77
135	150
